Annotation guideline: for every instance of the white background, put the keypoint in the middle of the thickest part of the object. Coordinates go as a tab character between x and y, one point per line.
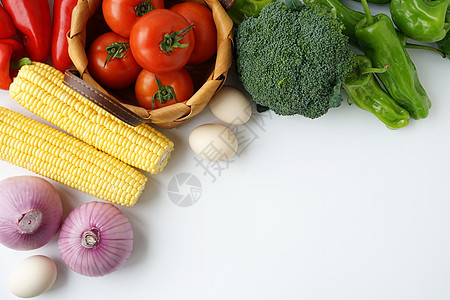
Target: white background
334	208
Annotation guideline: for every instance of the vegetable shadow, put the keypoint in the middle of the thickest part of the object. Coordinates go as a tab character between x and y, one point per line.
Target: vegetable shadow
140	242
68	197
61	278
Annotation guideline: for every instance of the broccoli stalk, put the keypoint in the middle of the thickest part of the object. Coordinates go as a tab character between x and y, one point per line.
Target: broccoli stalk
293	57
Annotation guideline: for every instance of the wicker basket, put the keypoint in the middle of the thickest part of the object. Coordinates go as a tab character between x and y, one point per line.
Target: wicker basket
214	74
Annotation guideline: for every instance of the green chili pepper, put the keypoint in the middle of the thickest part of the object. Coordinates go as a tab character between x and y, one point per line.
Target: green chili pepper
350	18
379	41
242	9
364	90
404	40
422	20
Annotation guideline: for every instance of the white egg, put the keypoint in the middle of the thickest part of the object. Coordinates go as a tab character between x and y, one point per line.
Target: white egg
213	142
231	106
33	276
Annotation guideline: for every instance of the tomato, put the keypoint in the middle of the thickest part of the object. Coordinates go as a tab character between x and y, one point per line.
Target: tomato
162	41
204	30
117	71
121	15
172	88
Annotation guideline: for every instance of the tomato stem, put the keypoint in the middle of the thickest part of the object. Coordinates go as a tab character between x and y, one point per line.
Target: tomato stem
172	40
164	93
143	8
116	50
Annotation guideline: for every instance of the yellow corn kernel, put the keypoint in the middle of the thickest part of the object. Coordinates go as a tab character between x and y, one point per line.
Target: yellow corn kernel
39	88
63	158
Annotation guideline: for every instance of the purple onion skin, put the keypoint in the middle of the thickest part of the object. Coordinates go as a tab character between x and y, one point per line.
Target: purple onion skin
30	212
95	239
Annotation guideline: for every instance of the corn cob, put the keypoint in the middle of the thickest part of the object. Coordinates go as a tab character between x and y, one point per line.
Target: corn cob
39	88
63	158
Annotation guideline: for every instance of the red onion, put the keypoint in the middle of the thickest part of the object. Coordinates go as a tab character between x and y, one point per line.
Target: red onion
30	214
95	239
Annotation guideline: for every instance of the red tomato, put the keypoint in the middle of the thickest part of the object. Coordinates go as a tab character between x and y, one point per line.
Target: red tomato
114	72
204	30
121	15
152	95
162	41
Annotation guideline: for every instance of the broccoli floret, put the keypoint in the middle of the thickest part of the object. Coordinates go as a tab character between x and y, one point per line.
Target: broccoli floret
292	60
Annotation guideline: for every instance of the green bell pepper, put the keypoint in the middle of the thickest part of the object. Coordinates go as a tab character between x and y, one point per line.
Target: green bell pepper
365	92
380	42
422	20
242	9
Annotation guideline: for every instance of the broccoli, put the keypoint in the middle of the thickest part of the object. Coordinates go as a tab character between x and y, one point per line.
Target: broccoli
292	58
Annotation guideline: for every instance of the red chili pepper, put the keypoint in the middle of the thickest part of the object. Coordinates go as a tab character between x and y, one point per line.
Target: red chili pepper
62	16
11	58
6	24
33	21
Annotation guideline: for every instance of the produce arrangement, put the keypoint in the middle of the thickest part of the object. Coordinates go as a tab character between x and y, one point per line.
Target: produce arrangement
182	39
292	57
38	87
306	76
